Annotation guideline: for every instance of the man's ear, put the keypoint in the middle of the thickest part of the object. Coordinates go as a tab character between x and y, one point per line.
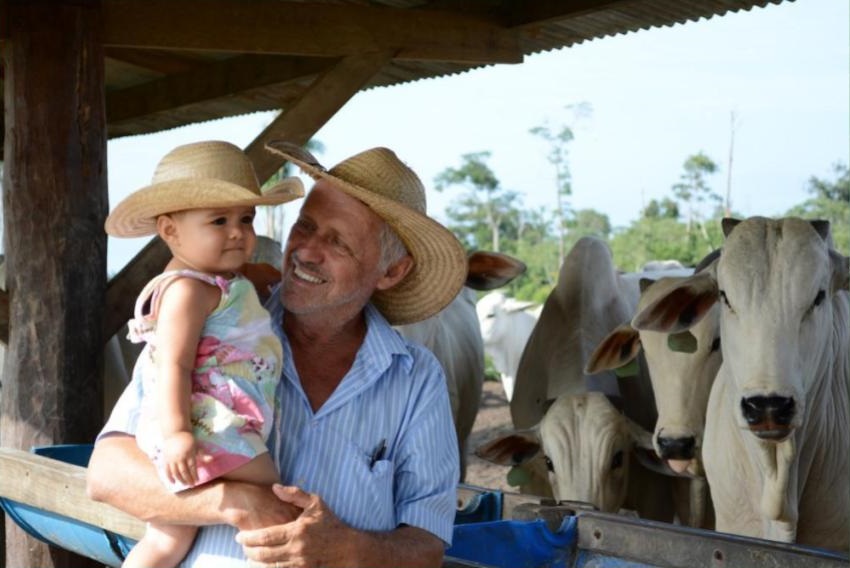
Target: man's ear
395	273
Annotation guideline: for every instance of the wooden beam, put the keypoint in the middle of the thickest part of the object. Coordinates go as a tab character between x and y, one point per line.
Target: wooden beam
156	61
320	101
206	82
60	488
4	317
312	29
55	203
125	286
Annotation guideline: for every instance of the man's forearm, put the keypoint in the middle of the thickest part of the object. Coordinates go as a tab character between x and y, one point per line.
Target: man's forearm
120	474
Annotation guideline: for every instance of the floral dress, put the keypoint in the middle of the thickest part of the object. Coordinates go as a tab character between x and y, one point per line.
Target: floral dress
237	368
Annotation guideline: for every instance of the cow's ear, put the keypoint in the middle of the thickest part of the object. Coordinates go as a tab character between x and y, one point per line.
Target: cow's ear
682	306
840	271
515	448
707	260
727	224
491	270
645	283
822	227
618	348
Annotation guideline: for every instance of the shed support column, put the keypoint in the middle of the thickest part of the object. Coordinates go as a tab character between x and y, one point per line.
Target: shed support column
55	200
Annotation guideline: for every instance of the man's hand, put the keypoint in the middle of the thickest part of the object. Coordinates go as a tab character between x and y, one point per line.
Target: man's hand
316	538
250	507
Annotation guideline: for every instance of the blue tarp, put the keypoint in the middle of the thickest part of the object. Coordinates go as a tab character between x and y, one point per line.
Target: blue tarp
515	544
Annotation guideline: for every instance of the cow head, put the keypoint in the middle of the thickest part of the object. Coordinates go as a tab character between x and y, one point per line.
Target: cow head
775	282
682	373
587	444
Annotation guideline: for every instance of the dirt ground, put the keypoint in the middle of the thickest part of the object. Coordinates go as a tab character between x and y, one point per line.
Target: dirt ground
493	419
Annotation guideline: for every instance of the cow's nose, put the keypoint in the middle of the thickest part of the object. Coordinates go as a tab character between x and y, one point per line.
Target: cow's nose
677	448
768	416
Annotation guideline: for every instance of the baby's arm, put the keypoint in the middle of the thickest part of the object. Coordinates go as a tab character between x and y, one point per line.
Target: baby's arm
183	308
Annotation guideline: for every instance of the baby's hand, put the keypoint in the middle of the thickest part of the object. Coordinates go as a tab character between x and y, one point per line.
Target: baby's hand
180	453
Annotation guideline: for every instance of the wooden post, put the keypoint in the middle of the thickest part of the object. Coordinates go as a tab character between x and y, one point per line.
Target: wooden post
55	199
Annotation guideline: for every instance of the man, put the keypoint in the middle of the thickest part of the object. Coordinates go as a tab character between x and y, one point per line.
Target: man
363	439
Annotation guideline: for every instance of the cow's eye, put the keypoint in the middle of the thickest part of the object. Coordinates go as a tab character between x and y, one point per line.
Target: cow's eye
819	298
617	460
725	299
715	345
549	465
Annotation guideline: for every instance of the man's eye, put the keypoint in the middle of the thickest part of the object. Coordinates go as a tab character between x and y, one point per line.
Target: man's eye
301	226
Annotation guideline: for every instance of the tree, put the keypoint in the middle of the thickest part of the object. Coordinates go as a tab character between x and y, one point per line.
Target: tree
485	210
664	209
693	189
559	140
831	201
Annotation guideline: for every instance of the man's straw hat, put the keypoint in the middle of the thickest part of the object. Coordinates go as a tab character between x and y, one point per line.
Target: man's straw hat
196	176
392	190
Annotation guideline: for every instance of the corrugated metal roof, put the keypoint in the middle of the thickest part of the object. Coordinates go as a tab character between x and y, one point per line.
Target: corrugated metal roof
155	87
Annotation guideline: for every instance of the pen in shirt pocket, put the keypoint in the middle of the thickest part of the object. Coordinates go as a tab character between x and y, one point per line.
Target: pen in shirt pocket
378	453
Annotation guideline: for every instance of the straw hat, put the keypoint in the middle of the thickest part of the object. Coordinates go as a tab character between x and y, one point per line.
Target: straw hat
196	176
392	190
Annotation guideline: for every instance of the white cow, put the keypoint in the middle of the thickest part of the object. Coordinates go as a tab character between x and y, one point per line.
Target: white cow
506	324
454	336
776	432
590	299
682	370
588	447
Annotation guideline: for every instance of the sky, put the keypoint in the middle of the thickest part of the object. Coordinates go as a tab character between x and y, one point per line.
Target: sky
657	96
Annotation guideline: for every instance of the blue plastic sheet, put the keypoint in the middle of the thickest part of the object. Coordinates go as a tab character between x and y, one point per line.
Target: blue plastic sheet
515	544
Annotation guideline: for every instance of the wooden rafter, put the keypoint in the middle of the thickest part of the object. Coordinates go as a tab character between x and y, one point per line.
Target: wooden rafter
320	101
207	82
156	61
323	30
124	287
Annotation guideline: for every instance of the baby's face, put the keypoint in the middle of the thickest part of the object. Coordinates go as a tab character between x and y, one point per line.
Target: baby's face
217	241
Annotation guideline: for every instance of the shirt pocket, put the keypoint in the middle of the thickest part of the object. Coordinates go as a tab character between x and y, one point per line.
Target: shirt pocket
370	488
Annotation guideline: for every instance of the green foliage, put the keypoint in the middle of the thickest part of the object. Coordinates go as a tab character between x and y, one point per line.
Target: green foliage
664	209
692	190
831	201
664	239
481	214
658	234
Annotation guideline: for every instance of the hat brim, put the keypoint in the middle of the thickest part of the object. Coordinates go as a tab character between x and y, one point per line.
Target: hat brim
440	262
136	215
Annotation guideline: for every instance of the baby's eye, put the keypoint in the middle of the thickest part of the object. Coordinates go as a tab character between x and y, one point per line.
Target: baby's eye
247	220
219	221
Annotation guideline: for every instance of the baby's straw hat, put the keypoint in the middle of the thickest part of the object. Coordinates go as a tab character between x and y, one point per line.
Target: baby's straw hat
392	190
201	175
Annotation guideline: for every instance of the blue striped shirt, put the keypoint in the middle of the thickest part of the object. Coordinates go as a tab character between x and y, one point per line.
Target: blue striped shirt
395	394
